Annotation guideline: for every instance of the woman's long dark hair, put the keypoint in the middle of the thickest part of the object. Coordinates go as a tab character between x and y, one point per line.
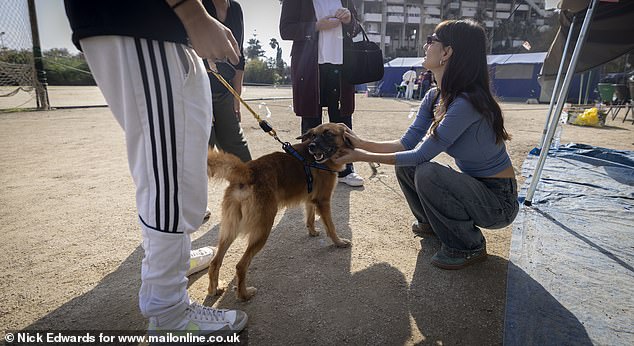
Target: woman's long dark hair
467	73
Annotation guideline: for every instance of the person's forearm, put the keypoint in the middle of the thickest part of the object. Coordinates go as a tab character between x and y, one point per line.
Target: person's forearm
237	81
385	158
382	147
237	85
209	38
188	10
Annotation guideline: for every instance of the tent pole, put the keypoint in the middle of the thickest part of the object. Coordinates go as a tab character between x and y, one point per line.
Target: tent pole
581	88
585	100
560	102
557	83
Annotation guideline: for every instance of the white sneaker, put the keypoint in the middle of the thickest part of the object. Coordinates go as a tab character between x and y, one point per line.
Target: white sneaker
199	259
352	179
200	320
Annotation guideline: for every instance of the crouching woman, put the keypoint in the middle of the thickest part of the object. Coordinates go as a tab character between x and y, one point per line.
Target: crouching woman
462	118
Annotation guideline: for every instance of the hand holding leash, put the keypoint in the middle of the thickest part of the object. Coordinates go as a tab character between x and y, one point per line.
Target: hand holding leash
209	38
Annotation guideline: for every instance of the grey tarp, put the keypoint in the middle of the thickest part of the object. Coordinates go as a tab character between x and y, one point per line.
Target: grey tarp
571	262
611	34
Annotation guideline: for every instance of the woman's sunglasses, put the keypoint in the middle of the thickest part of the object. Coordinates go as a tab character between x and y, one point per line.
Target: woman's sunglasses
432	38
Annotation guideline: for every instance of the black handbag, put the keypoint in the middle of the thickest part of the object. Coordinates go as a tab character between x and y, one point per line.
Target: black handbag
362	61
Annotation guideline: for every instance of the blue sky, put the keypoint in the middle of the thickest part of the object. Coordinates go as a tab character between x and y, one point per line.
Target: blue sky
260	16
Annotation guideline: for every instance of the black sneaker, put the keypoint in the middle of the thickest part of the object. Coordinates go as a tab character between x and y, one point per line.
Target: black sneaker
454	260
422	229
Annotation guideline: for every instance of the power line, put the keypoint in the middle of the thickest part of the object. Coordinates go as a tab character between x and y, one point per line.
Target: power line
67	66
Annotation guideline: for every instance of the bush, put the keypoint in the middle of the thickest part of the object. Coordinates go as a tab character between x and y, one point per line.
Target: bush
66	69
258	71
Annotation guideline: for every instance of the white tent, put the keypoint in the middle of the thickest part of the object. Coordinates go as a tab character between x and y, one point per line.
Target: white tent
525	58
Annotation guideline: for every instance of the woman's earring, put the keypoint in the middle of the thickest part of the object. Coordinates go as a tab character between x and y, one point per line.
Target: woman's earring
442	62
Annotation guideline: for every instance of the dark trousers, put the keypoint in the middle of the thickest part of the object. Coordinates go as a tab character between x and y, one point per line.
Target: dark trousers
456	204
329	95
424	86
226	133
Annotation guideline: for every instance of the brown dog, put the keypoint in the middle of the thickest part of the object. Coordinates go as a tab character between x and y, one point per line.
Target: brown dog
257	189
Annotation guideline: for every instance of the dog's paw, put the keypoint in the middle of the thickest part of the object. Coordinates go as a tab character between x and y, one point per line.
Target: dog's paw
343	243
313	232
215	291
250	292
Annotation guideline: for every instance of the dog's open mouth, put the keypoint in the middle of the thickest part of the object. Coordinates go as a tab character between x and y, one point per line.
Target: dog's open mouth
322	148
319	157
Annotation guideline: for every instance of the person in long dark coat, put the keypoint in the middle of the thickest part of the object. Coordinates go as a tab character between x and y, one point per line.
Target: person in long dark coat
318	29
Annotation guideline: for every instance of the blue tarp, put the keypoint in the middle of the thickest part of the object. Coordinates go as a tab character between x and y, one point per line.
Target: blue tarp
571	262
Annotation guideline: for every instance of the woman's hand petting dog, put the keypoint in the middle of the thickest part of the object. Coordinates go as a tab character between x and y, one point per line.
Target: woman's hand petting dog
352	138
348	155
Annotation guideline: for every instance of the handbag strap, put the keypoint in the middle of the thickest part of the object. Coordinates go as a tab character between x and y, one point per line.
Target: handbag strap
365	36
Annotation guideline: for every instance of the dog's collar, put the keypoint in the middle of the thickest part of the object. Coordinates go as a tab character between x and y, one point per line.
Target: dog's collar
288	148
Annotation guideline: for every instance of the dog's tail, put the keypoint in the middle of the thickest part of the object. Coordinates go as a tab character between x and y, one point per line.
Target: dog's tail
227	166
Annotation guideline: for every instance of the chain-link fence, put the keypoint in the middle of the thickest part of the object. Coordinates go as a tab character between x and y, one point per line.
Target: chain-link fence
17	72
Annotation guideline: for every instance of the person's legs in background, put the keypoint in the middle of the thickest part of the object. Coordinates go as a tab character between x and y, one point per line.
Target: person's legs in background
226	132
330	83
226	135
159	94
310	122
409	91
424	88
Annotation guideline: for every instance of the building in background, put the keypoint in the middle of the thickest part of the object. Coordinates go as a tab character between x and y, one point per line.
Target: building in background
401	26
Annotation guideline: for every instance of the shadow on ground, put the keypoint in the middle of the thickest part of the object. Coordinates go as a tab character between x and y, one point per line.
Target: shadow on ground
309	293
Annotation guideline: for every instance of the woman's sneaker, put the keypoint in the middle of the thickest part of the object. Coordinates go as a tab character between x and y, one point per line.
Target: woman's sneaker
198	319
453	260
199	259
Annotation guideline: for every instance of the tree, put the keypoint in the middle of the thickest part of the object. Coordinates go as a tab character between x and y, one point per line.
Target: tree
279	63
257	71
64	68
540	37
254	49
58	53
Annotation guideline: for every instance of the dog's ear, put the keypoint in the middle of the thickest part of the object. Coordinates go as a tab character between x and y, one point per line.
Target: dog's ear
306	136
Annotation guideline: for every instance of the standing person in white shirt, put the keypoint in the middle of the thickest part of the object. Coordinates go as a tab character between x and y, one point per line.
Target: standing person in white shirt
317	29
409	78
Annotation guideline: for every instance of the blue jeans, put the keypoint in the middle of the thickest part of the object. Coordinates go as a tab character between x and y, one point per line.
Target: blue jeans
456	204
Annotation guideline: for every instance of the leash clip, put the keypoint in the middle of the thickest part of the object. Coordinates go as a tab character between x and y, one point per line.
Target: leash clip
265	126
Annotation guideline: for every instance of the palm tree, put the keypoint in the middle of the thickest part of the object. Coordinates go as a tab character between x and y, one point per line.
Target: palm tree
279	63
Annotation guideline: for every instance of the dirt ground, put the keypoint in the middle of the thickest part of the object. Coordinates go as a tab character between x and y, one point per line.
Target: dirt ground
71	249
